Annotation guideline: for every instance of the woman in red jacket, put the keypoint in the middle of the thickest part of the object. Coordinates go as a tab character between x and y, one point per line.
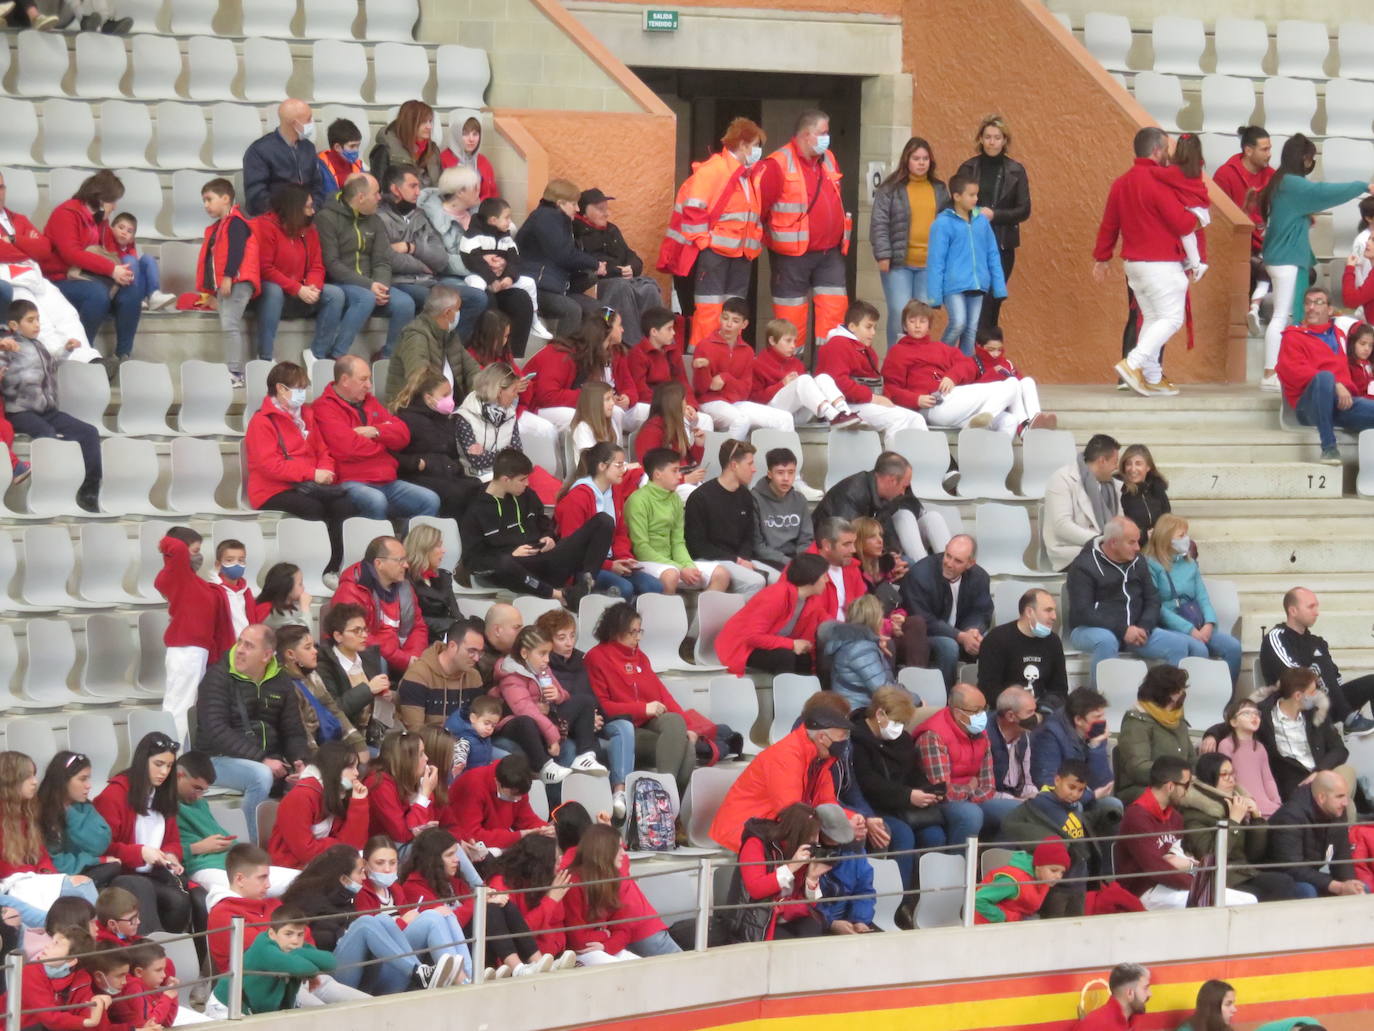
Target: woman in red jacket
140	805
670	424
561	367
1358	296
630	409
328	806
292	270
776	867
21	845
601	484
776	630
602	894
289	468
400	788
74	226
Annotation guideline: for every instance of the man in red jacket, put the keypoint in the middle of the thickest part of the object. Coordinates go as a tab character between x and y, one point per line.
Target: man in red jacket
1150	221
1129	984
776	629
1242	178
491	804
361	436
395	624
844	582
1314	373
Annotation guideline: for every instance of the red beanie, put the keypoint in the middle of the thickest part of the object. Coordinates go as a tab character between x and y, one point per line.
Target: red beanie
1051	852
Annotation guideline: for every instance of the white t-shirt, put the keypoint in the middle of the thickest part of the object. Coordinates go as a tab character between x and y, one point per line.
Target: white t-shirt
837	578
149	829
953	599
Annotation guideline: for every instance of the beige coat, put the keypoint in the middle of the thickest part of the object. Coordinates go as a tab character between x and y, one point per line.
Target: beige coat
1068	521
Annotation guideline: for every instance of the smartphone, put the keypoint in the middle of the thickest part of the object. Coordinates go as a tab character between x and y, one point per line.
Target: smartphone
530	375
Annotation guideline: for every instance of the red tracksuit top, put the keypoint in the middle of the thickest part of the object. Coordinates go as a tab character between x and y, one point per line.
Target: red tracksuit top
613	937
423	896
651	435
734	365
390	814
293	842
579	505
1144	213
198	614
1358	297
842	357
624	682
364	459
27	243
915	366
555	384
113	804
769	370
288	261
222	913
650	367
479	815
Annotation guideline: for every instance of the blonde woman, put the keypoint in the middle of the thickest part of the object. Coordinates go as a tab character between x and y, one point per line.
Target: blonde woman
1003	198
858	654
432	582
1183	602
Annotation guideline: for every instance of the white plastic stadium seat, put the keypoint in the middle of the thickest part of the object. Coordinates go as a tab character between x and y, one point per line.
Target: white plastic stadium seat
40	740
9	665
83	391
21	185
766	440
340	69
985	460
926	684
1217	148
306	543
593	793
714	609
156	62
151	678
589	611
1349	108
330	19
93	735
531	607
143	199
1289	104
150	534
147	14
850	451
735	702
790	692
393	20
20	117
705	793
1042	452
213	64
126	130
400	72
268	18
57	473
232	128
942	888
107	554
188	209
1003	533
68	131
42	64
1303	47
1242	45
664	618
1118	679
928	453
266	67
462	75
1108	38
1161	96
887	886
206	393
131	473
181	135
145	391
101	62
49	562
1209	689
1005	595
143	722
1357	50
51	656
1178	44
1225	599
197	471
358	533
190	17
1227	102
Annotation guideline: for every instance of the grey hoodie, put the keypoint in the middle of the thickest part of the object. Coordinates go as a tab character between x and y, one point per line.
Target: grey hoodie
784	526
412	227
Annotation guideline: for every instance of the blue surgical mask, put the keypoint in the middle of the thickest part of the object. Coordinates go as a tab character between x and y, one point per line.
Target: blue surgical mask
350	156
232	572
1181	545
1039	629
347	783
298	397
978	723
307	131
755	155
386	880
822	143
352	886
56	970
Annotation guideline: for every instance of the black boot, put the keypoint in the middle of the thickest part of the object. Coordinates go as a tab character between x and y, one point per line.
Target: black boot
90	23
117	26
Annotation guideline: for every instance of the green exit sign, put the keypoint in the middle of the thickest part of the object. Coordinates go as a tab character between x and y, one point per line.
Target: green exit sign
660	20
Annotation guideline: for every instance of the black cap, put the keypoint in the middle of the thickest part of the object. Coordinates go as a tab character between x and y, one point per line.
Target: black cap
826	719
590	197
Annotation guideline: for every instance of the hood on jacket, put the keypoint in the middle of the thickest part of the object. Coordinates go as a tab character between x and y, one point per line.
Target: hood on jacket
337	207
271	671
453	138
1209	800
426	670
949	213
485	411
834	634
510	664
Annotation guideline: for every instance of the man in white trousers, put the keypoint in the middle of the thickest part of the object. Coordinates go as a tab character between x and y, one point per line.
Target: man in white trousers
1150	222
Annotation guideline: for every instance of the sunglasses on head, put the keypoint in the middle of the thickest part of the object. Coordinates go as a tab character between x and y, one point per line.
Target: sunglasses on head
162	743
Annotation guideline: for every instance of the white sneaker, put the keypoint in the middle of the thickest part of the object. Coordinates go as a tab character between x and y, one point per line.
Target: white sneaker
537	329
586	763
543	964
503	972
618	807
1271	383
446	971
552	773
489	974
807	491
1253	320
566	961
159	299
526	970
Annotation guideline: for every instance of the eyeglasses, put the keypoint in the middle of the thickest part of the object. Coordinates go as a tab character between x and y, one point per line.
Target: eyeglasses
355	629
635	631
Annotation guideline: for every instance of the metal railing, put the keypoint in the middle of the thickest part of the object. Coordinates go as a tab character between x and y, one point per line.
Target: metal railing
705	907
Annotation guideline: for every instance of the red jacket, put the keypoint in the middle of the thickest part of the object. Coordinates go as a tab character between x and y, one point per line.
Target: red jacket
1303	353
1145	214
113	804
1357	297
1145	855
27	243
289	261
72	228
83	990
826	605
448	159
293	842
993	370
1028	899
1362	853
1106	1018
198	614
222	913
651	366
916	366
650	436
786	772
1191	193
391	815
613	937
770	369
757	625
1244	188
622	376
384	629
579	505
734	365
238	262
1362	375
369	898
41	864
625	683
540	916
557	381
359	458
760	881
423	896
136	1010
842	358
40	992
479	815
279	457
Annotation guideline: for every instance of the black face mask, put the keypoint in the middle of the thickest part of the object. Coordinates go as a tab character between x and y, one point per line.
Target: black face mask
405	207
1030	722
837	749
1097	729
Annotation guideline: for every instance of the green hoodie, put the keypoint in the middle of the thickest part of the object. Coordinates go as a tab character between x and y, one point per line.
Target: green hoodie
264	993
987	896
195	822
654	518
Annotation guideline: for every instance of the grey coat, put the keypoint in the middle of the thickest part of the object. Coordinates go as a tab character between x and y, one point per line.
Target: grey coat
413	227
891	223
30	380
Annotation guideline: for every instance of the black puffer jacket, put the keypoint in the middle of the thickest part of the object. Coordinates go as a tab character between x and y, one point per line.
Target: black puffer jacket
437	603
604	244
857	495
1106	594
433	440
547	252
236	717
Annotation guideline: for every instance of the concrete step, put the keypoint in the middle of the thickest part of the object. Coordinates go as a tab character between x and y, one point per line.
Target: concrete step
1302	557
1098	409
1254	479
1351	628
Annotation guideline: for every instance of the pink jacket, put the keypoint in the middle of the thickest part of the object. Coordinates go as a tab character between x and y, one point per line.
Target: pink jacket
520	690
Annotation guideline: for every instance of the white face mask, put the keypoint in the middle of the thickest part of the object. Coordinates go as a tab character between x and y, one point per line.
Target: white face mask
307	131
297	398
755	155
1181	545
822	143
892	730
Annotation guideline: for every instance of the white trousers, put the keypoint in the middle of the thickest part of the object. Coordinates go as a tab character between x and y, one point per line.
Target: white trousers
326	992
627	420
524	283
539	439
1161	290
185	668
1160	897
808	394
1285	281
742	581
1001	400
58	319
737	419
600	957
889	420
1030	396
913	534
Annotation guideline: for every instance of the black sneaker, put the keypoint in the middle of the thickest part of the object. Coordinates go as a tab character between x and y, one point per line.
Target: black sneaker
88	498
904	918
422	976
1358	725
90	23
583	584
117	26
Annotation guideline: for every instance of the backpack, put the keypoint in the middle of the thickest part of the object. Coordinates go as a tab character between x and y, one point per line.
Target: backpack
651	818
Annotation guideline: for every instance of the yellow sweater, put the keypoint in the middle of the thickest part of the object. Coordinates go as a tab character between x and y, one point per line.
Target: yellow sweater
920	198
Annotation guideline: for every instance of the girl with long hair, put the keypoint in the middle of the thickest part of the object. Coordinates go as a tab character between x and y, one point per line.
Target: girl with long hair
776	867
327	807
530	868
593	420
75	835
1144	490
601	483
904	207
408	140
22	849
1215	1010
401	785
292	267
433	583
283	597
603	893
1249	757
672	423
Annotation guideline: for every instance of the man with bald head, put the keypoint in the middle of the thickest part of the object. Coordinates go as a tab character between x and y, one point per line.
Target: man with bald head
1113	606
360	436
1292	645
503	625
956	757
358	259
285	155
1311	830
951	592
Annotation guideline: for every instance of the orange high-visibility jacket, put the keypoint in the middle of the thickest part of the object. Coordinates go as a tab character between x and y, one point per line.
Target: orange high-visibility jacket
788	222
734	233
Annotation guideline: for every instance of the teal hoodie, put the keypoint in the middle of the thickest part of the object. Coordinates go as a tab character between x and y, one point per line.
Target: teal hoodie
194	823
1286	235
262	991
86	840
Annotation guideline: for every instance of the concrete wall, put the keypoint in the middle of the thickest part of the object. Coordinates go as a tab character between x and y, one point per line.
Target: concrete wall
1285	959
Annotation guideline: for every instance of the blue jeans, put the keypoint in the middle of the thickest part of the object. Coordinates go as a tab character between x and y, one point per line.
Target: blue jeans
1168	645
1317	407
359	306
249	776
1224	646
660	943
1305	890
638	582
327	311
962	329
944	653
905	837
147	278
439	935
92	301
372	937
901	284
618	738
397	499
966	819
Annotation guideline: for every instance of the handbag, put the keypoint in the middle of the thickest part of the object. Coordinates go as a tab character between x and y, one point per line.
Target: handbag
324	492
1200	895
1189	608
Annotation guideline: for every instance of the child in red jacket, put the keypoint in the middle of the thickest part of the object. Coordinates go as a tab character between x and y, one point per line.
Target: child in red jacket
147	973
657	359
1358	346
1359	296
104	972
53	980
531	865
847	357
629	925
1183	176
780	379
723	377
250	870
995	365
602	486
227	272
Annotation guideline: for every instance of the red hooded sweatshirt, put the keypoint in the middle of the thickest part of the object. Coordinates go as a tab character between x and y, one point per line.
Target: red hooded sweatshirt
994	370
1303	353
1243	187
198	614
613	937
625	683
556	380
916	366
770	369
27	243
222	913
359	458
72	228
842	357
651	366
42	992
759	623
288	261
579	505
651	435
391	815
1136	855
294	842
423	896
734	365
1358	297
